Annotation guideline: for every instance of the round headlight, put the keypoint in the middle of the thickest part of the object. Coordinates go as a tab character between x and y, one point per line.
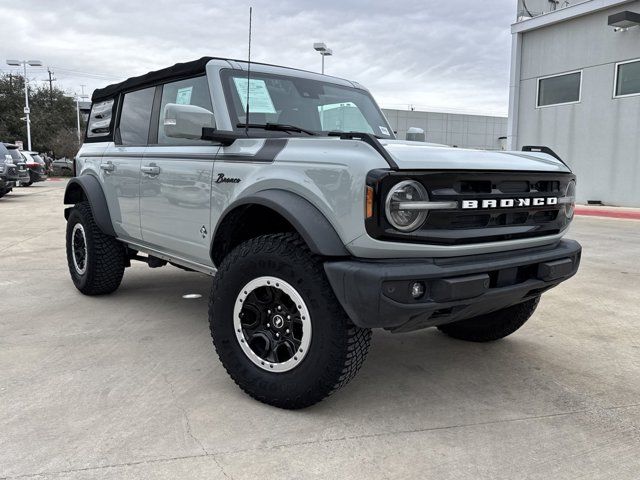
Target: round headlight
570	199
406	220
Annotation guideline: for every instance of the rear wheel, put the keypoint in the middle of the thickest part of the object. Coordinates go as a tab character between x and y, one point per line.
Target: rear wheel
492	326
96	261
277	327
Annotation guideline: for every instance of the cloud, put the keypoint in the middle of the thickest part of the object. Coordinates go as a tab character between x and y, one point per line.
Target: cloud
450	55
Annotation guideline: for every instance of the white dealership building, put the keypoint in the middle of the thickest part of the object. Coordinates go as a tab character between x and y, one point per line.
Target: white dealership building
575	87
486	132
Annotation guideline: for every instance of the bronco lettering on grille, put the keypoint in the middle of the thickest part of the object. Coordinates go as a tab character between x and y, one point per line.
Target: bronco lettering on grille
509	202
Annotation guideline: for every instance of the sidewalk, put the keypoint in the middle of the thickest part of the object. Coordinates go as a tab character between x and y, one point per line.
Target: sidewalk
610	212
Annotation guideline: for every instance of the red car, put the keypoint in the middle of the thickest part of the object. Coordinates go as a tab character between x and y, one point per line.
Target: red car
37	168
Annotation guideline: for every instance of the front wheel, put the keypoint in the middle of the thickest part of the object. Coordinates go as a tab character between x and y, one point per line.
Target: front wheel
96	260
277	326
492	326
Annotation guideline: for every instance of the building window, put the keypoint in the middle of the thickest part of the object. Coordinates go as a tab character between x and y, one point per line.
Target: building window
559	89
627	79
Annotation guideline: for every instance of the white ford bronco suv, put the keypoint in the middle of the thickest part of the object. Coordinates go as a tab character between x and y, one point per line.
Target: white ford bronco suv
317	225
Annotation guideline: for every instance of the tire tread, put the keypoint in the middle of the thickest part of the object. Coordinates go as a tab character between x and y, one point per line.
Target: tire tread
106	267
357	339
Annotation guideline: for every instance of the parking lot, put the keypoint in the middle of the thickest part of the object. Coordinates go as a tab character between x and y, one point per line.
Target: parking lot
129	386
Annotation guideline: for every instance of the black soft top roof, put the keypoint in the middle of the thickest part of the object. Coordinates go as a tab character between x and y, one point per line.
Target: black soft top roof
178	70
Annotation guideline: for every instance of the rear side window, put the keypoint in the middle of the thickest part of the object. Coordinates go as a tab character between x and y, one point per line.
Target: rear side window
15	154
100	119
135	117
192	91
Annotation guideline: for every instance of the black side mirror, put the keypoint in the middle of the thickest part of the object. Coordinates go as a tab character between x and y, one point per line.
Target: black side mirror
215	135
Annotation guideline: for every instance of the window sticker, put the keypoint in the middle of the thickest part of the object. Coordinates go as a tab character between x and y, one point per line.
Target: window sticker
258	93
383	130
183	97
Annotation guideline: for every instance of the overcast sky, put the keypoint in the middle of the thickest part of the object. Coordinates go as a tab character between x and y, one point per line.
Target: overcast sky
450	55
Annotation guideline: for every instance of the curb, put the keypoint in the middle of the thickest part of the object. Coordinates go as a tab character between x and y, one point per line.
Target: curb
608	212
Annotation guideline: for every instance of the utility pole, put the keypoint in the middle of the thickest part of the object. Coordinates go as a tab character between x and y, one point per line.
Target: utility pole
51	80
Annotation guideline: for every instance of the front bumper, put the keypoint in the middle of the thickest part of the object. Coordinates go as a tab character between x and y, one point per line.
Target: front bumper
6	184
377	293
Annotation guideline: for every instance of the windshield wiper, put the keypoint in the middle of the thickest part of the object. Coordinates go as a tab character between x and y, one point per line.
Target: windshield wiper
338	133
276	126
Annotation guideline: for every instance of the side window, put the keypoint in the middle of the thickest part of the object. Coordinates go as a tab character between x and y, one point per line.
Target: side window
135	116
192	91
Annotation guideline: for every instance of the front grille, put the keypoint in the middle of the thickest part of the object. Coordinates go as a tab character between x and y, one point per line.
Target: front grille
475	225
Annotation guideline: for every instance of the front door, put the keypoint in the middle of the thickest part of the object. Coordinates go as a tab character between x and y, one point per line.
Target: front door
175	184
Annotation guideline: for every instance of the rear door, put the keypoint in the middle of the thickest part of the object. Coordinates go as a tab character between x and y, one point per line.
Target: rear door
175	186
120	166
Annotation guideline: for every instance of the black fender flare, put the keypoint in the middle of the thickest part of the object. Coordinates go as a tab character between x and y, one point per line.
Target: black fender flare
308	221
88	186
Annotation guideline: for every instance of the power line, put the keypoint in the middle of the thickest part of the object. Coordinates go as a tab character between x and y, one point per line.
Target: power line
88	74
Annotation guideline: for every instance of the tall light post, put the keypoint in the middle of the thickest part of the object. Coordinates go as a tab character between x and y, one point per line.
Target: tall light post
324	52
77	98
24	63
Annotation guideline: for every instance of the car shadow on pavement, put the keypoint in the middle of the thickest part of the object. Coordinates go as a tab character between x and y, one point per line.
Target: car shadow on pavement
417	370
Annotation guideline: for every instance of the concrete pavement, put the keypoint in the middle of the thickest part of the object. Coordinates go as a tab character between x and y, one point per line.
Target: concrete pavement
129	386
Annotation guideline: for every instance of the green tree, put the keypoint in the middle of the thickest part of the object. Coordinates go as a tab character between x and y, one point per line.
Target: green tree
53	116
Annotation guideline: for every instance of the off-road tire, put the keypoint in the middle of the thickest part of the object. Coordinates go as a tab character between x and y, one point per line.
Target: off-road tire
492	326
3	192
338	347
105	256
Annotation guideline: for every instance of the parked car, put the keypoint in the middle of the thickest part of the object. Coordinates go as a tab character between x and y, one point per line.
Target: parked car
8	171
20	162
62	167
36	167
315	222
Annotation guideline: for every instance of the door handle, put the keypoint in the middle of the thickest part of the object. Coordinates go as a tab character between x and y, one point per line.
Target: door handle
107	167
150	169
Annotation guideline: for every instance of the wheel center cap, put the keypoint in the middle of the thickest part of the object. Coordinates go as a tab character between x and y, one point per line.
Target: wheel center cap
278	321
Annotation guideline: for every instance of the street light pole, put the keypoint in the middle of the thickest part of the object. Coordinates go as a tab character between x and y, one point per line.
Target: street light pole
24	63
78	118
324	52
77	98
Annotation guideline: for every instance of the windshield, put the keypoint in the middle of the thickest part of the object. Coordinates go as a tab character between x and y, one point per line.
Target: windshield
309	104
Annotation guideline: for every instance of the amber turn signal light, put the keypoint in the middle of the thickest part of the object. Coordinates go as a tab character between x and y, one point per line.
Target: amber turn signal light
368	204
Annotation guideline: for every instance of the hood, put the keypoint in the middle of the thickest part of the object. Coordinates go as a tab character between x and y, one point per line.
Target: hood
419	155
